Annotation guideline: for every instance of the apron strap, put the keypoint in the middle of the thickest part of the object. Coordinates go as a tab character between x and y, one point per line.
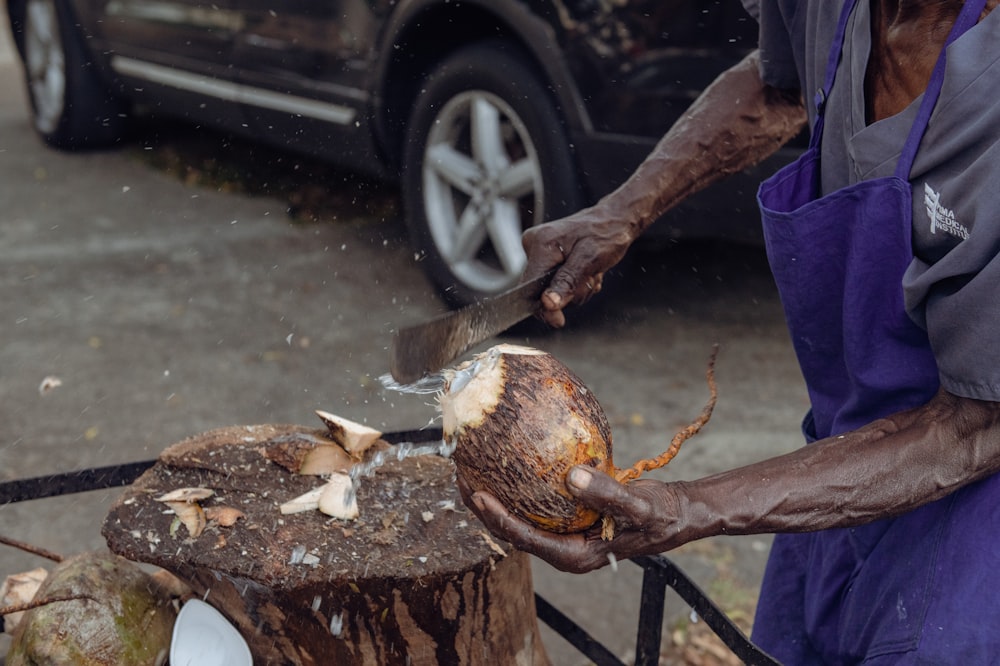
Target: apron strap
967	18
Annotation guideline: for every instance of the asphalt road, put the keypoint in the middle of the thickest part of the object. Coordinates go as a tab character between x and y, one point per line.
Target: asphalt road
165	310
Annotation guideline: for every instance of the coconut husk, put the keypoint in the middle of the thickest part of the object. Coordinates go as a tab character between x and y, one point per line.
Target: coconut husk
107	612
18	590
520	420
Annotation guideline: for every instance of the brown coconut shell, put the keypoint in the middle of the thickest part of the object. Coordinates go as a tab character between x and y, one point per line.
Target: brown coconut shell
520	419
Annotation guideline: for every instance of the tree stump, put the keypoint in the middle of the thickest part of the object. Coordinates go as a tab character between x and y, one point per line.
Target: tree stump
415	580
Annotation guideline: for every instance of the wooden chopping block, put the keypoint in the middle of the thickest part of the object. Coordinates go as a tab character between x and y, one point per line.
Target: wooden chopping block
415	580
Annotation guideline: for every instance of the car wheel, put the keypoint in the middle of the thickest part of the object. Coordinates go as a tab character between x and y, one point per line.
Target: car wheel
71	108
486	156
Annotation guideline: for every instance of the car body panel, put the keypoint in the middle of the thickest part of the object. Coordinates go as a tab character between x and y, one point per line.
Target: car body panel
337	78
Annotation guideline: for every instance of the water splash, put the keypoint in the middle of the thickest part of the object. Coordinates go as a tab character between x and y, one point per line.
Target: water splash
462	376
451	380
400	452
433	383
337	624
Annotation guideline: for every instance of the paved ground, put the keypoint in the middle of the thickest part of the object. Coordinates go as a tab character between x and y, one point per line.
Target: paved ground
167	309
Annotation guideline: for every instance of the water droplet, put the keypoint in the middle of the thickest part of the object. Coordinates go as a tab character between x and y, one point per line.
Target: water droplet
337	624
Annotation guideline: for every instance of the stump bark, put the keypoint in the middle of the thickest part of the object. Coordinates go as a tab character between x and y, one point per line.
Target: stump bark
415	580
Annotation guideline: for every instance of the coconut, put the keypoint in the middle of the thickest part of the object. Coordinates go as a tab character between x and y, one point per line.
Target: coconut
519	420
103	610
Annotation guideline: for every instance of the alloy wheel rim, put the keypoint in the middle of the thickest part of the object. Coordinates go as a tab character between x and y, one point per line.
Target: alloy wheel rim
45	64
482	186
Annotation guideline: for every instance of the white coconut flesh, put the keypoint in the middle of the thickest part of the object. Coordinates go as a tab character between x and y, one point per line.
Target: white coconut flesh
473	389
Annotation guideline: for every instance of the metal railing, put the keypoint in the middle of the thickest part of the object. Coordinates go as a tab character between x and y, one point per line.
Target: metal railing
659	573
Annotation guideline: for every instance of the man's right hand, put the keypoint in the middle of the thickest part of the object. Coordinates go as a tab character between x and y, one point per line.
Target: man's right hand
584	246
736	122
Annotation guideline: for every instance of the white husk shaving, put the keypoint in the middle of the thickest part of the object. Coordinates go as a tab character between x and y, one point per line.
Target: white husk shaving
18	589
306	502
337	499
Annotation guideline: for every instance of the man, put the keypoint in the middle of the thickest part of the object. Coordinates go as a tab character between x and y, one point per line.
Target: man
884	241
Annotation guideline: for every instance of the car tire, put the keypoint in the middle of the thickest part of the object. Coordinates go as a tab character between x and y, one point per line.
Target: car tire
70	105
486	156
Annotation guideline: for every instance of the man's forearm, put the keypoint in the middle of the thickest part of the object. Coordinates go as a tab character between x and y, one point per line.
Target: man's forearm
737	122
892	466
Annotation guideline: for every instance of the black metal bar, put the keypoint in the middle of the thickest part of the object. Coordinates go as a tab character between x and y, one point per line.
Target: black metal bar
712	615
574	634
649	637
67	483
116	476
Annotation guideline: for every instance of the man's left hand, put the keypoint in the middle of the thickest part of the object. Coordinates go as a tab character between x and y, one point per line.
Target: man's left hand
645	514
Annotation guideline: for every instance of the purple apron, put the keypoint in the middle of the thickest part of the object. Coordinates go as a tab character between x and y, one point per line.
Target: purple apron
876	593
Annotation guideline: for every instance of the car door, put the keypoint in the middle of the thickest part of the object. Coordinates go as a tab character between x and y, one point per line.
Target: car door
179	49
304	68
639	65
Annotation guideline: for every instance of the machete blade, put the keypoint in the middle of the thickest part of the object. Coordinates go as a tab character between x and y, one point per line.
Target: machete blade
425	348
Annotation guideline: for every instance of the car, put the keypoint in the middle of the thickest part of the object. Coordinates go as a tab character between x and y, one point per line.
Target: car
493	115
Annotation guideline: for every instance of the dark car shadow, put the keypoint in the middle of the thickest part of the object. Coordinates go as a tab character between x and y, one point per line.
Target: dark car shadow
315	191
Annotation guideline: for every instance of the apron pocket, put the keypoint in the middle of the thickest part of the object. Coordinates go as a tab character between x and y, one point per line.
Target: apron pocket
885	603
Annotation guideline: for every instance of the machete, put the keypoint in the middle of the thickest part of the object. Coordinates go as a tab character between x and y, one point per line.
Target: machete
426	348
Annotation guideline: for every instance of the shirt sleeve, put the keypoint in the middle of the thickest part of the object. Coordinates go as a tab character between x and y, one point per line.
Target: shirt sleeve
962	324
777	55
954	296
952	285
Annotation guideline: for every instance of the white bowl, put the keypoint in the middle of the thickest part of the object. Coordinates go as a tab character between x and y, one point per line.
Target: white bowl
204	637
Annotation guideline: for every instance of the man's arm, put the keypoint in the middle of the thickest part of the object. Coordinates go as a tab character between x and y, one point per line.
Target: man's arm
736	122
891	466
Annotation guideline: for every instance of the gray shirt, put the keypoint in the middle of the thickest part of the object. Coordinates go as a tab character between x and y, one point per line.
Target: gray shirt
952	286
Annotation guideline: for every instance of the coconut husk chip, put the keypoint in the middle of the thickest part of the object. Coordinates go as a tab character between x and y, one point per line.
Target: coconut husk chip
184	502
354	437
